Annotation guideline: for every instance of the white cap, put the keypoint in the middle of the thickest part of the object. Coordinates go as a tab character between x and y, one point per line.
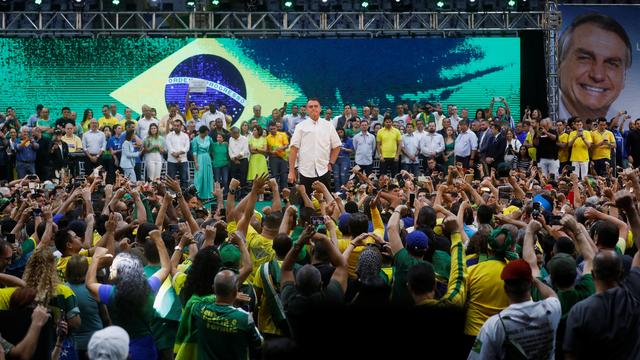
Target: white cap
110	343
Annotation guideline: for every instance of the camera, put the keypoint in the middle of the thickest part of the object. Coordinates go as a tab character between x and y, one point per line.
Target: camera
536	209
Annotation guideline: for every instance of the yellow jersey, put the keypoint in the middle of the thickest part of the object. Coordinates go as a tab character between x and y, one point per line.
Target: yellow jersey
603	151
563	153
388	139
579	150
485	294
110	122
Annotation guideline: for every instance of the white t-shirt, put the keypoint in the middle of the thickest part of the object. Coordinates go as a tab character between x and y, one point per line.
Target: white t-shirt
531	324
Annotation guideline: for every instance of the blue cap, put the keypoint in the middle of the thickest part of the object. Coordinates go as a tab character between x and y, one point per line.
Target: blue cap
417	240
408	222
343	221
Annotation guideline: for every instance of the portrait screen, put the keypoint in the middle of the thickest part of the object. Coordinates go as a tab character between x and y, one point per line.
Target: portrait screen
599	71
87	73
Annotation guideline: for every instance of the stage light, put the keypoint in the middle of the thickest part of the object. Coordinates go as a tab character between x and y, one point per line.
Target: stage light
77	5
38	2
364	4
288	4
115	2
324	1
440	4
191	3
511	3
215	2
472	1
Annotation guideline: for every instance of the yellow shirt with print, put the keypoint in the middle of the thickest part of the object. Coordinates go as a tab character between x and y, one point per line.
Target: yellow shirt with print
603	151
388	140
579	150
63	261
485	294
563	153
110	122
74	143
278	140
260	249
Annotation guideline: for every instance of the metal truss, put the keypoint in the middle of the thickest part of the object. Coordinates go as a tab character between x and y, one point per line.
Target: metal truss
247	24
553	21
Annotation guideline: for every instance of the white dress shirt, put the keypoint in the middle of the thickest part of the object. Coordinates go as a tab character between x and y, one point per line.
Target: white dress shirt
143	126
411	145
209	117
239	147
177	143
314	140
431	144
438	119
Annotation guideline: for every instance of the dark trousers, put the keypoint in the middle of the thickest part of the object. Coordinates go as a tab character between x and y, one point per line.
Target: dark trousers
279	170
221	176
601	166
239	172
89	166
464	160
412	168
44	171
367	169
137	168
388	165
180	169
110	167
307	181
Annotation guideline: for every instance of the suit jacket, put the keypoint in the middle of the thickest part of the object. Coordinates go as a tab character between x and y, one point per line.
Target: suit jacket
497	147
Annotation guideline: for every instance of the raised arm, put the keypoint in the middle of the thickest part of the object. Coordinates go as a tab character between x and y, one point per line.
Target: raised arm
302	192
257	187
341	272
284	225
625	202
247	265
393	230
140	209
165	262
91	282
528	252
182	203
166	202
286	270
276	203
584	244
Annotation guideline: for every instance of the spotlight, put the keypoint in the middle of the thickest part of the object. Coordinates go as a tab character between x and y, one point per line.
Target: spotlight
115	2
38	2
191	3
440	4
77	5
215	2
511	3
364	5
288	4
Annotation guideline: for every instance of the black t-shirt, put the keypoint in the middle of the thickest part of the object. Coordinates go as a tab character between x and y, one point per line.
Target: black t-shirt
326	271
547	148
607	325
43	154
62	122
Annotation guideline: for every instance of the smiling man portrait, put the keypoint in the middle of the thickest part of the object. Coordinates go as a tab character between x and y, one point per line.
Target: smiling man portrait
594	54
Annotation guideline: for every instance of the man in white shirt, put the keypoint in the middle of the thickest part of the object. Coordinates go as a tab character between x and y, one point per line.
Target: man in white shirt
177	144
210	116
364	145
145	121
94	143
454	118
401	118
410	151
166	122
525	329
114	112
239	158
432	144
315	146
438	116
292	120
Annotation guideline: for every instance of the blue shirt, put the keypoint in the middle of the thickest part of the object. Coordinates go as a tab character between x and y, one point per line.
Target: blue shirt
115	143
347	143
25	153
466	142
620	153
365	147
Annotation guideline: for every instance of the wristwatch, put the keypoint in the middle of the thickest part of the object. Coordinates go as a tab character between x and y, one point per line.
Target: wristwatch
177	248
232	191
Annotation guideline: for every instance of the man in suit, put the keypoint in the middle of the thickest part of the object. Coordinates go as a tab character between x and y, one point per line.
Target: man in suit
497	147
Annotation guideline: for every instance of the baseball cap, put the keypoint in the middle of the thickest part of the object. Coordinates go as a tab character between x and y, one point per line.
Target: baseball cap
417	240
562	263
516	270
110	343
230	255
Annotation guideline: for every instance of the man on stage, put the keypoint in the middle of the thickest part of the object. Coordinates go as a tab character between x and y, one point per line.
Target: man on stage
315	145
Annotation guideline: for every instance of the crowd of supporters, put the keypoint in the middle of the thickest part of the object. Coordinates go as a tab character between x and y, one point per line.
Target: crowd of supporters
183	237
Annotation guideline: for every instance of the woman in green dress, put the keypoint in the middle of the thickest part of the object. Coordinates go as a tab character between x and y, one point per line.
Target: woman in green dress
221	162
202	148
258	148
449	144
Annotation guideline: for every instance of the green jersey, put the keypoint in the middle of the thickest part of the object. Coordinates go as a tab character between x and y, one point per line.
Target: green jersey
224	332
402	262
